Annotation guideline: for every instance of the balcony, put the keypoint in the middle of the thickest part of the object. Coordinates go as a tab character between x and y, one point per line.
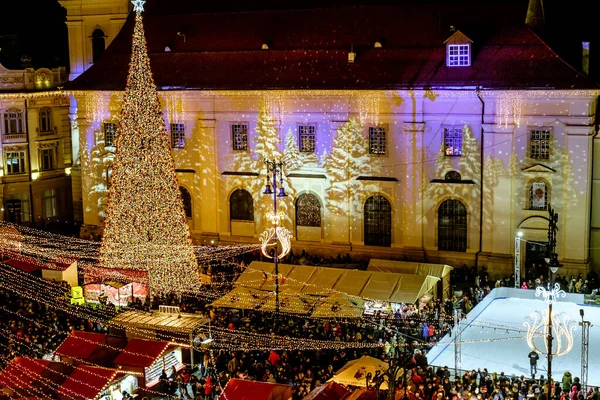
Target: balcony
14	138
52	131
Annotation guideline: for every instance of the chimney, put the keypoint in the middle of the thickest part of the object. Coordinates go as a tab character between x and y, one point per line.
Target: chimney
535	15
585	58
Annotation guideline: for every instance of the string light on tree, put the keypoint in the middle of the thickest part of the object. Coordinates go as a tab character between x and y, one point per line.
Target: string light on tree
146	227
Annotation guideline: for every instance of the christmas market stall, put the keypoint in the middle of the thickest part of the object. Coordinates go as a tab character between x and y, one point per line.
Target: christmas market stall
167	324
354	373
440	271
237	389
50	270
83	348
146	359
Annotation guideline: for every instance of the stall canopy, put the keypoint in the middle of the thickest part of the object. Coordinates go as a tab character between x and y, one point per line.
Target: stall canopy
440	271
329	391
354	373
241	297
321	281
173	327
141	353
290	301
339	305
21	372
237	389
94	348
86	382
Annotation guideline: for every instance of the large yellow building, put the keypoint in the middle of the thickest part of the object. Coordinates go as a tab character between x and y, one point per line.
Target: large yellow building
407	132
35	156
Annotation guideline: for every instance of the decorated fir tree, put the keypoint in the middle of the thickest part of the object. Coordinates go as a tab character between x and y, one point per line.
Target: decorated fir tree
291	155
145	227
348	160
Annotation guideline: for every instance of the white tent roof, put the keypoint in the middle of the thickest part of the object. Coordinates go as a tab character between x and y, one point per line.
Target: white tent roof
354	373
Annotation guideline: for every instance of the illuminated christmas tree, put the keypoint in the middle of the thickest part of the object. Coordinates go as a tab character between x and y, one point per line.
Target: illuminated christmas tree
146	227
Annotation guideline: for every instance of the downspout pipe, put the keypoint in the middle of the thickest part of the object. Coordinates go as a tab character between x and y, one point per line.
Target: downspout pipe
597	130
482	160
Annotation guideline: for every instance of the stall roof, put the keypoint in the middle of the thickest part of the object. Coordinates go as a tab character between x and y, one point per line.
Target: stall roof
182	323
237	389
14	375
321	281
241	297
141	352
339	306
328	391
86	382
290	301
405	267
80	344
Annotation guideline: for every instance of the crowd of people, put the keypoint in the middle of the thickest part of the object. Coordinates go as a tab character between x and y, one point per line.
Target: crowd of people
408	333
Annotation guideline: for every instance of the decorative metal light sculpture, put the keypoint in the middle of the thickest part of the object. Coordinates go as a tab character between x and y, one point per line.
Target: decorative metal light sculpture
540	323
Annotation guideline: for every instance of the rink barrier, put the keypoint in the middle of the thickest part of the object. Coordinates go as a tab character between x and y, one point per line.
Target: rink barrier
495	294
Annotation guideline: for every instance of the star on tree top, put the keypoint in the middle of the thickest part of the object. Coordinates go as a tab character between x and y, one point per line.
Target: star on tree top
138	5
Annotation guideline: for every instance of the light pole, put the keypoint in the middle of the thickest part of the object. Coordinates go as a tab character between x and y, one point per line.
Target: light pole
518	259
275	170
585	349
553	264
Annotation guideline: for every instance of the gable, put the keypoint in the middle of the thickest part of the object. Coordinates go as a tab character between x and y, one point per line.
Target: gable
538	168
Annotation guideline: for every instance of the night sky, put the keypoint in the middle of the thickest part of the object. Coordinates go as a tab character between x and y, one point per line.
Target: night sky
36	27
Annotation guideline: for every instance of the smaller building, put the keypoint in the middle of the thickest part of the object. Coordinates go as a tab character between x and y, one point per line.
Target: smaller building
35	148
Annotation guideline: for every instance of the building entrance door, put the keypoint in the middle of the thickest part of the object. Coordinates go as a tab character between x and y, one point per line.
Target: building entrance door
535	265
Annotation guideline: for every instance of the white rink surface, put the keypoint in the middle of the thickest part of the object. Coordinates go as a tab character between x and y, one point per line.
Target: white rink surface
510	356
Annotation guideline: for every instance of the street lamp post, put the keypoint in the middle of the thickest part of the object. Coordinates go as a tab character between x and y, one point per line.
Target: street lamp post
275	170
553	264
391	376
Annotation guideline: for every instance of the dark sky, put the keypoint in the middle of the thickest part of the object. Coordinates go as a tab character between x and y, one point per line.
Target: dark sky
37	28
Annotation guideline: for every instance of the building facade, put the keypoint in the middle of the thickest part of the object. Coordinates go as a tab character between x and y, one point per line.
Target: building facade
36	155
417	142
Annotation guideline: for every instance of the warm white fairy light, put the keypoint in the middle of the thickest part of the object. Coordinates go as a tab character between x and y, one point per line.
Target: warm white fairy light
552	295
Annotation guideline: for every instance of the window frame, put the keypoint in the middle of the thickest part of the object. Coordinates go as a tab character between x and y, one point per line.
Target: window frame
312	144
453	235
19	118
454	137
375	138
53	198
459	55
113	136
239	210
9	155
239	138
45	114
177	135
51	153
378	223
303	200
540	147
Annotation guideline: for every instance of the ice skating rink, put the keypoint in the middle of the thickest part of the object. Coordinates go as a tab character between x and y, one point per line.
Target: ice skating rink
493	337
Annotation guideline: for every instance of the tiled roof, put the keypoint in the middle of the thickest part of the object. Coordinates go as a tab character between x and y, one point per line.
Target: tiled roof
308	49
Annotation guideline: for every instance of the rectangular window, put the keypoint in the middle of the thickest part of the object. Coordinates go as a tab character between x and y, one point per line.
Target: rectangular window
177	136
13	122
15	162
46	120
49	203
539	144
458	55
377	140
110	134
453	137
239	136
307	138
47	158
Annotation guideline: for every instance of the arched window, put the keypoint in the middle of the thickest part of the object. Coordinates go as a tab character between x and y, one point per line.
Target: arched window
378	221
452	226
308	210
452	176
98	44
187	201
241	206
538	195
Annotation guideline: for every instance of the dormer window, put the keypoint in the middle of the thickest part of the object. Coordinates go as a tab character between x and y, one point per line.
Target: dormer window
458	50
459	55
